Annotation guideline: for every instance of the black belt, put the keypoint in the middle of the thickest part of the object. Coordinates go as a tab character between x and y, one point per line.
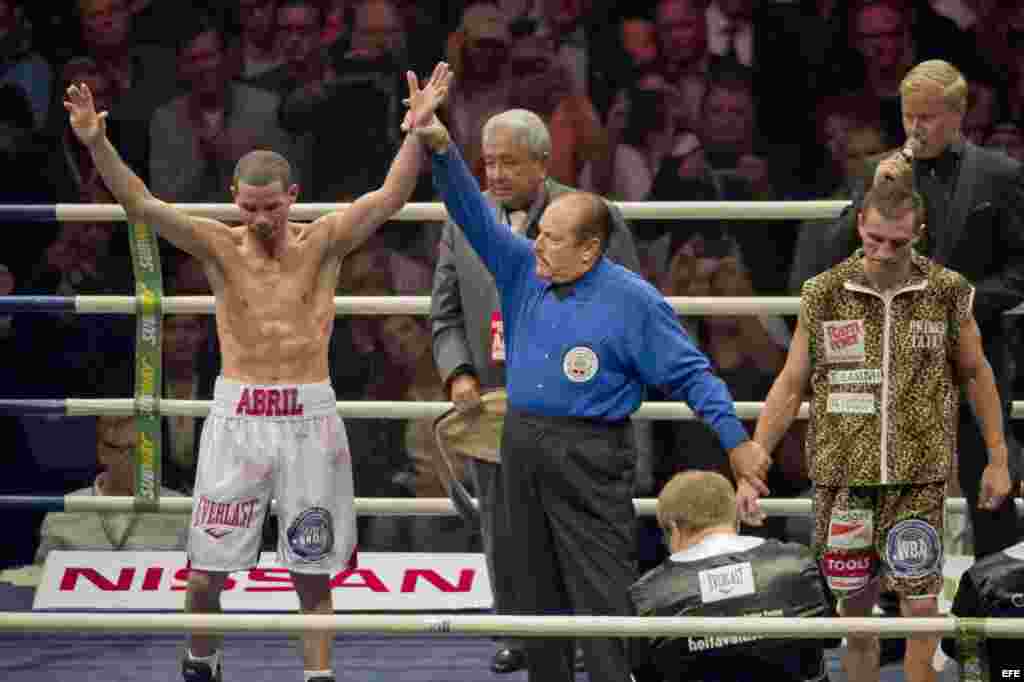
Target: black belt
593	424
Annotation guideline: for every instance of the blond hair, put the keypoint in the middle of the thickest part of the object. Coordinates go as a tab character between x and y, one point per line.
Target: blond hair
894	195
937	72
695	500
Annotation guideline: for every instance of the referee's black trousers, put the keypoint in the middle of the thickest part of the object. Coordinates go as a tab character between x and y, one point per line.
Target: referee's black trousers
565	536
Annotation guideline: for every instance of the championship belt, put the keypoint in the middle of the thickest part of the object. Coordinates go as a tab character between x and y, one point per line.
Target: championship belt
476	435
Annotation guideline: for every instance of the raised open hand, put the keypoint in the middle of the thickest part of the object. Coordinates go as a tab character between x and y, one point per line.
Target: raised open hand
423	103
88	125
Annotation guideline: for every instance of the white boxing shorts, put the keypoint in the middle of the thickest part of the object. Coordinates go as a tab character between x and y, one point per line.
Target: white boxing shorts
263	442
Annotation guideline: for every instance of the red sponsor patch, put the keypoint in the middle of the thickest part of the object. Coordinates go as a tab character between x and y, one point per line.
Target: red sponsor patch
845	335
859	565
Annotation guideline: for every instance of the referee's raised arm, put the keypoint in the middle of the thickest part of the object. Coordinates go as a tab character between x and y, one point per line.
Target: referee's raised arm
505	254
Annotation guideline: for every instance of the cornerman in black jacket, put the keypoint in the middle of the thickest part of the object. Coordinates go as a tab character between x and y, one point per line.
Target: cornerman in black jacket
992	588
713	571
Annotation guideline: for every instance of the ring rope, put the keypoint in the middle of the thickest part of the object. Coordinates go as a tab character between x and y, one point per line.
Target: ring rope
378	506
384	305
148	358
435	211
352	409
517	626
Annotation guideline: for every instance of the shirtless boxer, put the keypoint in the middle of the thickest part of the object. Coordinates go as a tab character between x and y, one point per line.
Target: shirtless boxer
273	430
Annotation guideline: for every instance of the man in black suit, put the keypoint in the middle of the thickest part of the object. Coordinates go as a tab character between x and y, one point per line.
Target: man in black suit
975	207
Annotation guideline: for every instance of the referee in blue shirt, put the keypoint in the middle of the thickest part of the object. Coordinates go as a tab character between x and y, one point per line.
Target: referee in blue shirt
583	337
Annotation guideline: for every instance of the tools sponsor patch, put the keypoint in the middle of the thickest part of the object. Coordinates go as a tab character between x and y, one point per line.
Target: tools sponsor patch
848	571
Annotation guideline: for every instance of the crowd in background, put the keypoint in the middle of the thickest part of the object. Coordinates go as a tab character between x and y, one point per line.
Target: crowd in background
670	100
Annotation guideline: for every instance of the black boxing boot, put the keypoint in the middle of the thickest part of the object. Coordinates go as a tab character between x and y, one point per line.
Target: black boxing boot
200	671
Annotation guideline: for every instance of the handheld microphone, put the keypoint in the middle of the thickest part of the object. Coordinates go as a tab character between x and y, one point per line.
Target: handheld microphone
910	148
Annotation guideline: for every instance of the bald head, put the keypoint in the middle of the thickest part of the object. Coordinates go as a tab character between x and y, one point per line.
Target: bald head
590	215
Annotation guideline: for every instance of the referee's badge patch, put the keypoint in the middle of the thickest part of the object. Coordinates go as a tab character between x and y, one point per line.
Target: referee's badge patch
580	364
913	549
311	534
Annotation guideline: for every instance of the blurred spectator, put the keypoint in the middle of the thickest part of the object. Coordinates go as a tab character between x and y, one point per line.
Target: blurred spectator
639	40
1001	36
850	150
70	169
407	347
982	110
964	13
824	42
23	152
20	65
17	470
746	352
740	160
731	30
734	146
639	134
478	54
1015	90
685	59
255	52
426	28
160	22
116	440
83	259
892	35
197	138
569	24
140	75
837	118
1008	137
185	338
377	30
305	62
684	175
542	85
337	22
371	73
881	34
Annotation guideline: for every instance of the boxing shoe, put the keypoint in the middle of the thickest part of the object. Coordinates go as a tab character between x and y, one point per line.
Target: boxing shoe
197	671
508	660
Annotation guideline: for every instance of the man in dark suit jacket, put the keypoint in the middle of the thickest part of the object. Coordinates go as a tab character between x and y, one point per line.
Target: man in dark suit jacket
975	207
465	310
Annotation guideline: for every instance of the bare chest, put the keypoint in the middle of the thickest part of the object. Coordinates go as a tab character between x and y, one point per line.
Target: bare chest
294	283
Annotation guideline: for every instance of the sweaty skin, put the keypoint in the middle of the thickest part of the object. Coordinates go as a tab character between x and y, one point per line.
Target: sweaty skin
275	313
273	280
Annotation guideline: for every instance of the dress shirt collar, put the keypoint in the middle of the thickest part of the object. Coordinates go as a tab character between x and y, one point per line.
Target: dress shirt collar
715	544
581	285
533	211
945	163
